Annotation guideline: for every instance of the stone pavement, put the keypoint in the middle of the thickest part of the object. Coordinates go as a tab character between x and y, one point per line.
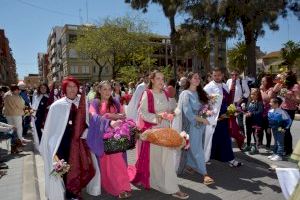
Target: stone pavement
20	182
25	179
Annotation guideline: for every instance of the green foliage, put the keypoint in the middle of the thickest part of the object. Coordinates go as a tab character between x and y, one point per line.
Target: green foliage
116	43
128	74
290	53
167	71
246	18
237	57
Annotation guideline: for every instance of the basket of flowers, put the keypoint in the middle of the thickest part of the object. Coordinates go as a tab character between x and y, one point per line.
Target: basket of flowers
121	138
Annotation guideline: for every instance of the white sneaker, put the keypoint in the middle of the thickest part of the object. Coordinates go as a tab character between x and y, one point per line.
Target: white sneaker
276	158
271	156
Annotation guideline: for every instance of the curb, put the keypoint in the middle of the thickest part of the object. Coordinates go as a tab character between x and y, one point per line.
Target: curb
30	188
39	169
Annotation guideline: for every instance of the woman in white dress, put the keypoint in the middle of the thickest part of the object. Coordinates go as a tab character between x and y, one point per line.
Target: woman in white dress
155	165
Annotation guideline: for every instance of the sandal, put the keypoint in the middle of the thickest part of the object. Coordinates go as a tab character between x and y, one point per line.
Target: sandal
180	195
235	163
124	195
208	180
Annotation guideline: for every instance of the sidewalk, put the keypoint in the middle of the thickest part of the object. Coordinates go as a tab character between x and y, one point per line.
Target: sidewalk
20	182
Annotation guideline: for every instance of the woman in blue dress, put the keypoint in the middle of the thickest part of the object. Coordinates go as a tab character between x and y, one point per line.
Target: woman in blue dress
191	101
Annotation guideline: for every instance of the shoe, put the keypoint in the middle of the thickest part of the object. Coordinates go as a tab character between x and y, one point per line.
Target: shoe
253	150
246	148
271	156
180	195
208	180
276	158
235	163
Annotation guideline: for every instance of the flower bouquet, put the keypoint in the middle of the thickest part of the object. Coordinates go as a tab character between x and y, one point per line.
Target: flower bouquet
204	112
60	167
121	138
166	137
213	98
231	110
28	111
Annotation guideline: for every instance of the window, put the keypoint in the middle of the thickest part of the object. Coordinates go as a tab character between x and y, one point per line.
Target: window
74	70
85	69
73	53
72	38
94	69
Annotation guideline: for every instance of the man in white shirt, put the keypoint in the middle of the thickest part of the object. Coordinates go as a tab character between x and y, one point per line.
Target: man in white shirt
241	91
241	87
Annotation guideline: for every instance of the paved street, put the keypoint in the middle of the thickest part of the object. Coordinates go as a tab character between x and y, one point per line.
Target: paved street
25	179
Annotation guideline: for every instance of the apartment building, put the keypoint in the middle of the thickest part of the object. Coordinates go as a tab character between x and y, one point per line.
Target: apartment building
8	73
43	63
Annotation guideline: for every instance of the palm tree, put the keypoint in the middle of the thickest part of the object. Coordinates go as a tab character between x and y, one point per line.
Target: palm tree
290	52
237	57
170	9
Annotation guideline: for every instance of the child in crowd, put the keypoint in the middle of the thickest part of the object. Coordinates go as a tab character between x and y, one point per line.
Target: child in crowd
279	121
254	118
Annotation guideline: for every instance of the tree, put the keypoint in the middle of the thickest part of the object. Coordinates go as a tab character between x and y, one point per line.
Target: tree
170	9
195	42
290	53
116	43
237	57
246	17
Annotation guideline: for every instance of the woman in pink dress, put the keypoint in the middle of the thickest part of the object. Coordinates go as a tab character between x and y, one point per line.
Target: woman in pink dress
113	167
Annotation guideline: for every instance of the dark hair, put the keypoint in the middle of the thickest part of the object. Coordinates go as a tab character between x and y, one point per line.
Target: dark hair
269	81
114	86
152	76
110	101
39	88
13	87
290	80
4	89
217	69
277	100
201	93
172	82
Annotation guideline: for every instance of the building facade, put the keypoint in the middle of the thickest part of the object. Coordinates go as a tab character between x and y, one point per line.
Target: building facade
43	63
8	73
32	80
65	61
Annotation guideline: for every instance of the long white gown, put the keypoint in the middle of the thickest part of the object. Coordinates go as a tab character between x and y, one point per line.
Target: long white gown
162	169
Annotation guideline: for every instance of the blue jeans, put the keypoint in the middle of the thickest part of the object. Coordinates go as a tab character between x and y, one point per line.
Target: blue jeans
279	142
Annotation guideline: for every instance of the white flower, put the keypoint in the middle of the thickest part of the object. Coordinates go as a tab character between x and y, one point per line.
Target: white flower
183	134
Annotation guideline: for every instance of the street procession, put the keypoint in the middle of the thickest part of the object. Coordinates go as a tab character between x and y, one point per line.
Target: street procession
136	106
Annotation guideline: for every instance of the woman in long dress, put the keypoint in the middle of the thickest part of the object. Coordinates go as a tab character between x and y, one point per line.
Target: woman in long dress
192	100
39	105
155	164
113	167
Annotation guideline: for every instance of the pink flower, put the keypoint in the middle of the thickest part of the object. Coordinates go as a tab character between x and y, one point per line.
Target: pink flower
209	113
117	136
164	115
107	135
170	117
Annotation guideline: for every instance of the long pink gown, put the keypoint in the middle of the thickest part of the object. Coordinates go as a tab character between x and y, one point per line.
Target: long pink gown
114	175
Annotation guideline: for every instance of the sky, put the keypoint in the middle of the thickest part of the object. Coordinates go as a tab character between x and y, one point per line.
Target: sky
27	24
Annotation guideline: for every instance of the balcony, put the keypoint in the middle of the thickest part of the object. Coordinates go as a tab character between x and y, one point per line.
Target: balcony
52	42
53	61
